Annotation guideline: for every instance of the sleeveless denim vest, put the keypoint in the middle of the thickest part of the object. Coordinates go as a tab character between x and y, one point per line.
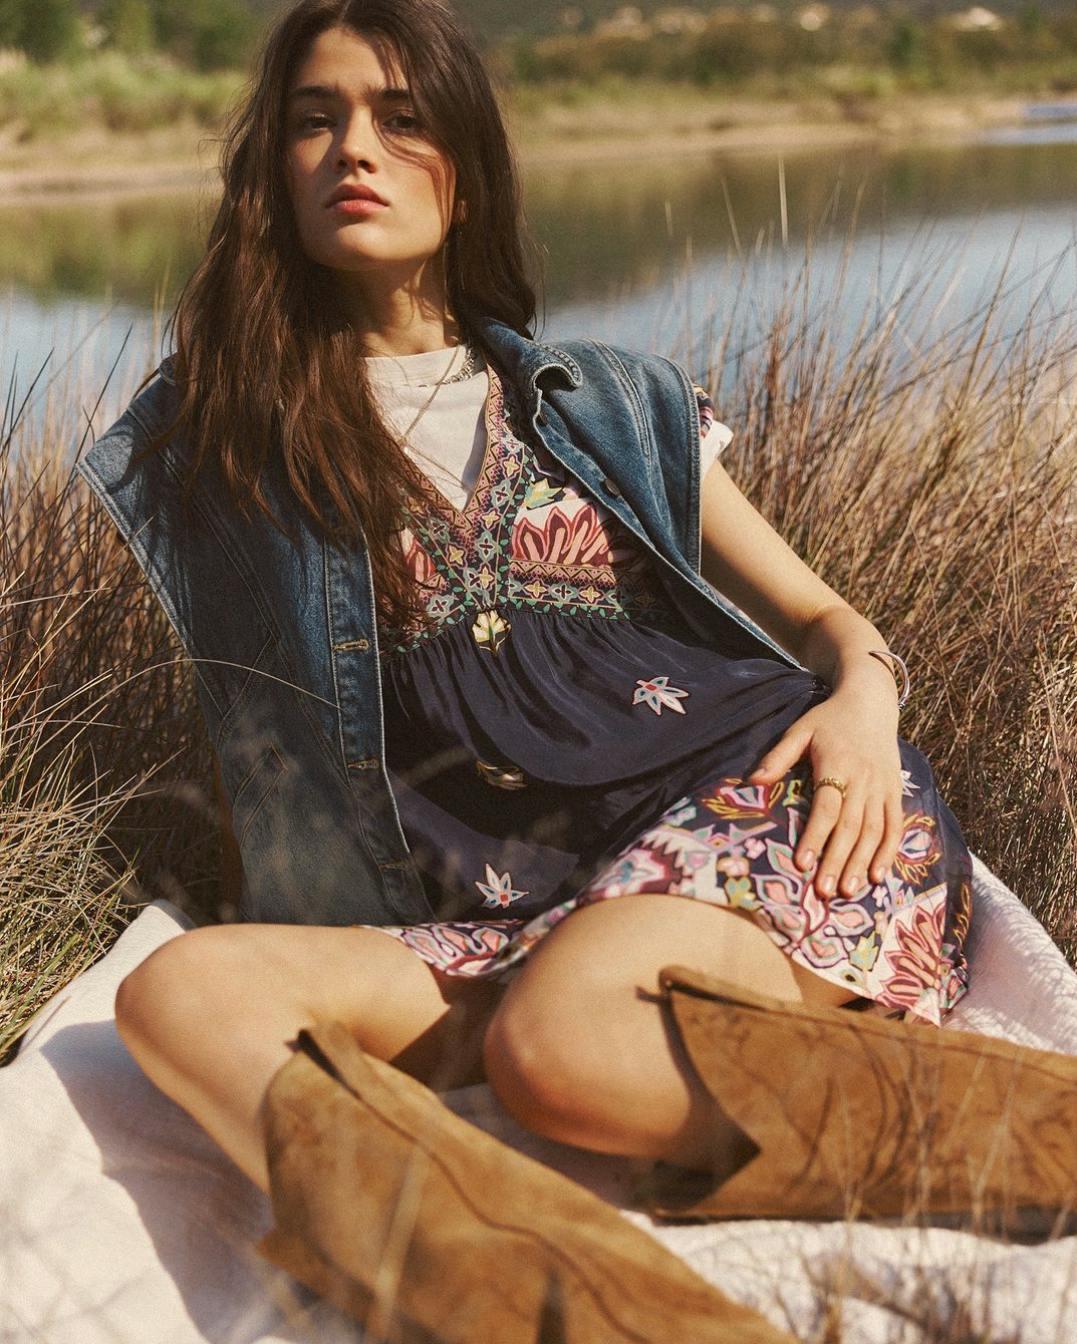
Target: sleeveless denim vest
283	636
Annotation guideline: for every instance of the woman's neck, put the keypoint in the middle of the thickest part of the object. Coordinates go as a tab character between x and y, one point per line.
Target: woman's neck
411	341
401	318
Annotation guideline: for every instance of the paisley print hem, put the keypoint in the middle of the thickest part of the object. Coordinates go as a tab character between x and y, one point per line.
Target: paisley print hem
898	944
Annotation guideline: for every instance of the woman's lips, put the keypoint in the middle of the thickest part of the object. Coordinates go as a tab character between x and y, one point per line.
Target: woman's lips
357	205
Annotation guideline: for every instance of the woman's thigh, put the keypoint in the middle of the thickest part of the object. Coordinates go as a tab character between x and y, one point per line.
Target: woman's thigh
582	1049
626	940
398	1007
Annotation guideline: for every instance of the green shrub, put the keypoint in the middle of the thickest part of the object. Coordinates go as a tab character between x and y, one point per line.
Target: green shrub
129	25
122	92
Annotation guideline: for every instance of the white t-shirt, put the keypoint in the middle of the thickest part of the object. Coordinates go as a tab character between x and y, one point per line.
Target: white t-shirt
449	439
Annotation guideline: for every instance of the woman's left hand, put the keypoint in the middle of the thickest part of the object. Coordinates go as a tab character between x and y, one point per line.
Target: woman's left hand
854	738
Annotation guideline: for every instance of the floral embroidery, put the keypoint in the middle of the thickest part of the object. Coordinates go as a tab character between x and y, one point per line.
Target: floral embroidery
469	947
918	850
498	891
540	493
633	872
490	630
962	916
912	950
892	943
535	537
657	693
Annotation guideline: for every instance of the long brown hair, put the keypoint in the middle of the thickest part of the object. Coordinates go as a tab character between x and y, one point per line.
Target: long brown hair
264	358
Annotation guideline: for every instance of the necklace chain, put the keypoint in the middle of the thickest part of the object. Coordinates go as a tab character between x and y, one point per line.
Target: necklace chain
469	367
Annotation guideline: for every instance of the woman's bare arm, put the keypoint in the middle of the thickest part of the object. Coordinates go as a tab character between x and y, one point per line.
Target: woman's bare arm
751	564
853	734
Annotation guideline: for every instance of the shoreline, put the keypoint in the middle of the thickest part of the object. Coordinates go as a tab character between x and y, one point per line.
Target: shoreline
183	158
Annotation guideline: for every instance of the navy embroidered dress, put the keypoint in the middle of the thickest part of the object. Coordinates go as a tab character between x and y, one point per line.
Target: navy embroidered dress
556	738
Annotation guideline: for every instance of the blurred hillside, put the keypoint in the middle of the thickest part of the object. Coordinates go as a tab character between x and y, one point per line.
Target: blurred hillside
570	71
217	34
493	19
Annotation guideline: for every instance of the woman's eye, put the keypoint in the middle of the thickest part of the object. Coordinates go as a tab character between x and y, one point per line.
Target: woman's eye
409	117
318	117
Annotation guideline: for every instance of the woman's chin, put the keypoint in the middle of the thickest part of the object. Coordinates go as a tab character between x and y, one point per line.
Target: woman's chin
367	258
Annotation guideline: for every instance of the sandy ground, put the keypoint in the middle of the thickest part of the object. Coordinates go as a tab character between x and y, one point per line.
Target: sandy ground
732	127
93	161
185	156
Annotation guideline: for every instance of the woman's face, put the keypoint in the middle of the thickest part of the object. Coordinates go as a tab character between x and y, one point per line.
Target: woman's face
362	130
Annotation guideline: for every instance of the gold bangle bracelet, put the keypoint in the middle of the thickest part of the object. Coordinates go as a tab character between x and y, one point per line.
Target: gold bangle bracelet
886	653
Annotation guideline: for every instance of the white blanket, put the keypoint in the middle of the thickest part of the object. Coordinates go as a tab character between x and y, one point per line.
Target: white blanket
121	1221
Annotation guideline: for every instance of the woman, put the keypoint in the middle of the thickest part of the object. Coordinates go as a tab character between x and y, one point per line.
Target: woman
569	712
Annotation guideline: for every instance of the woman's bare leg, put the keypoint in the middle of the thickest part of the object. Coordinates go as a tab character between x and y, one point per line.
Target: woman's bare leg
208	1017
577	1051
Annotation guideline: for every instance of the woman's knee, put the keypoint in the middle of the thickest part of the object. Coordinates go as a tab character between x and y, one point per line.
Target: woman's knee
181	981
539	1059
548	1046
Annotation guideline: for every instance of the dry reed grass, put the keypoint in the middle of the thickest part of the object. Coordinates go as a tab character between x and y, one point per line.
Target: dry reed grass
932	481
927	470
102	751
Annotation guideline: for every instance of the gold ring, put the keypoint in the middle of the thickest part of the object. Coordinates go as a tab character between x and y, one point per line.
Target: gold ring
839	784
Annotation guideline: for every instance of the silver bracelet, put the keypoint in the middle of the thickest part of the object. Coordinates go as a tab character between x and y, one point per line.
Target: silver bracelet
886	653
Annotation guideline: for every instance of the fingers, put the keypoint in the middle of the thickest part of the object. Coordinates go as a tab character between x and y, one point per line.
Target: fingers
857	839
886	853
835	824
854	874
783	755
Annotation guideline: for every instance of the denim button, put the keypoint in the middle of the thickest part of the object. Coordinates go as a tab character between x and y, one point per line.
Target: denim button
611	487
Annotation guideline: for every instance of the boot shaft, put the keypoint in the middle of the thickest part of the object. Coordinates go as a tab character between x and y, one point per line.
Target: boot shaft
865	1117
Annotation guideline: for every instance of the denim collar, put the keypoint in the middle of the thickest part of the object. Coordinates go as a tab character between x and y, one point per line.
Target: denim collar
522	360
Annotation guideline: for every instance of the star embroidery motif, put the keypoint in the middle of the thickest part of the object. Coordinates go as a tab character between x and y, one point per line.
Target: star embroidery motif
541	492
498	891
657	693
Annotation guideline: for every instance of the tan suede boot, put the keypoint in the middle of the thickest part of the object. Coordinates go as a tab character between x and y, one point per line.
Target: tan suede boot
428	1229
867	1117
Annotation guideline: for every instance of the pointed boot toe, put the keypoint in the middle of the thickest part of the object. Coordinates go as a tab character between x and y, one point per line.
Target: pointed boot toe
867	1117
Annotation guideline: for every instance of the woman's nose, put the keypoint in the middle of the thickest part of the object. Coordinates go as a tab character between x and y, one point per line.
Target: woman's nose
359	142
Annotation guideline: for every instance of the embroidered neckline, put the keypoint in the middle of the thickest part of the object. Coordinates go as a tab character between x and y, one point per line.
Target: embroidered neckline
468	558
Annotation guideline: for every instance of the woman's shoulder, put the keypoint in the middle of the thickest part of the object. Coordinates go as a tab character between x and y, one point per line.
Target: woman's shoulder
639	364
591	348
152	409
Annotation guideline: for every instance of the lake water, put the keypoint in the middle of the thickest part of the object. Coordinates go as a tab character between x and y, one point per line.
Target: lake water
654	256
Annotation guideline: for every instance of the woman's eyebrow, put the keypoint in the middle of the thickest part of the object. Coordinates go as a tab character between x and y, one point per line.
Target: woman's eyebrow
333	91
